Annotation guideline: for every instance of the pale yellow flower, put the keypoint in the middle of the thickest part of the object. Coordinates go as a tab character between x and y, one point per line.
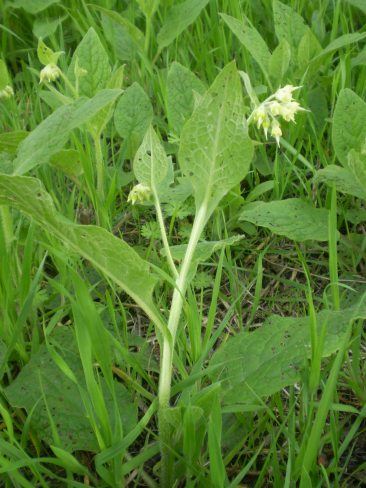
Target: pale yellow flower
139	193
7	92
49	73
276	131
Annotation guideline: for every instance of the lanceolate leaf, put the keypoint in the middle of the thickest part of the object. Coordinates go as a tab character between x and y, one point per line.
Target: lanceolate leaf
181	85
251	40
90	56
349	125
178	19
51	135
133	115
292	218
260	363
215	150
112	256
289	24
151	162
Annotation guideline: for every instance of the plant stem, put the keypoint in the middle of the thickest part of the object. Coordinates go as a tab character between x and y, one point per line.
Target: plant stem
100	167
168	347
164	236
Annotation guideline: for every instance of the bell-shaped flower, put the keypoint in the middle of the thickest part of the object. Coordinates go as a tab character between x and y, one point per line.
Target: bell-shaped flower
49	73
139	193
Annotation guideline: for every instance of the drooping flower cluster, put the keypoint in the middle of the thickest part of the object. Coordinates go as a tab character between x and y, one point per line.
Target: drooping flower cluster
139	193
6	92
49	73
280	104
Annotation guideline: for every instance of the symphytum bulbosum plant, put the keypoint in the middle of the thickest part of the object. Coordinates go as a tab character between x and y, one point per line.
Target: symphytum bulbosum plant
214	155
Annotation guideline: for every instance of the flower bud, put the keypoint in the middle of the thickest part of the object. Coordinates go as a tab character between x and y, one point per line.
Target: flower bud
276	131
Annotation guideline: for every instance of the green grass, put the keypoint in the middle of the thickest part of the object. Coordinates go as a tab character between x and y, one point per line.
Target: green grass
80	360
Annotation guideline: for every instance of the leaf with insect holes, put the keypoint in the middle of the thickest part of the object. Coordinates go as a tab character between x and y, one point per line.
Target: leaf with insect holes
215	150
349	125
38	147
181	85
293	218
260	363
251	40
41	382
46	55
179	17
90	56
110	255
151	163
133	115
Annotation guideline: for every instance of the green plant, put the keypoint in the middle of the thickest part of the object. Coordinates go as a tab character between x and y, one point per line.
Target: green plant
191	156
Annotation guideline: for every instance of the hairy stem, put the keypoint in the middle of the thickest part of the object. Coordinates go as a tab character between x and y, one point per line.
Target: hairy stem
168	347
99	167
164	236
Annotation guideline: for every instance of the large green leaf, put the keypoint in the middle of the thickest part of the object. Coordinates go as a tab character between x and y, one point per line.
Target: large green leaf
349	125
110	255
151	163
51	135
260	363
91	56
215	150
41	381
292	218
251	40
343	179
178	19
181	85
133	115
